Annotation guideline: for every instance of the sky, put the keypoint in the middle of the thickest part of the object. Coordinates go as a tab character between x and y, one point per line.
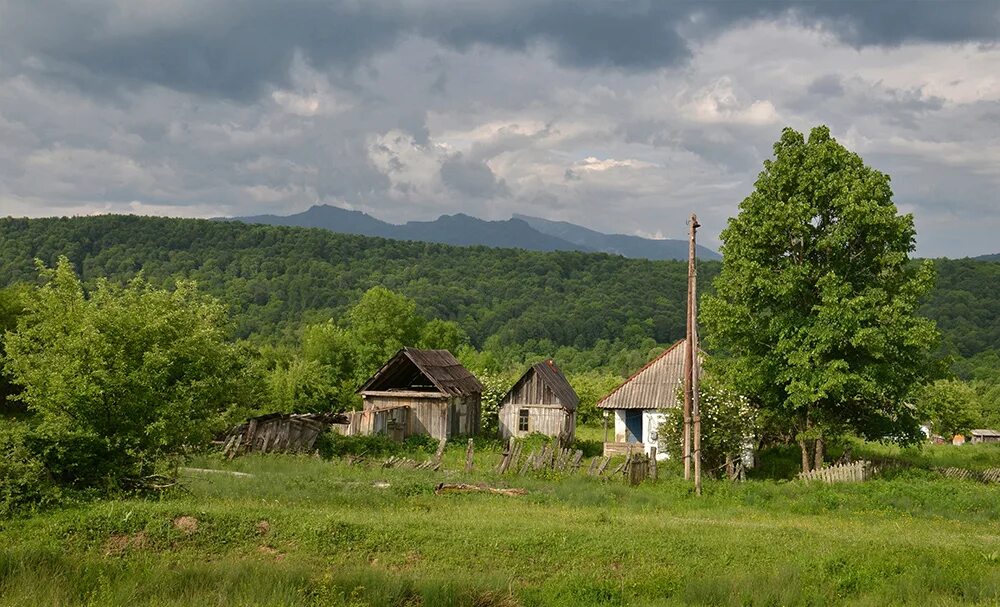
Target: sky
621	116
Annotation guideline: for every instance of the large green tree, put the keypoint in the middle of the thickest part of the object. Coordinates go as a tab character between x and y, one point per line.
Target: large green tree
814	311
122	375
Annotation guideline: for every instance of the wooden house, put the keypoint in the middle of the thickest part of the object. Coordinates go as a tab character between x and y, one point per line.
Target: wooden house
984	435
637	404
421	392
543	401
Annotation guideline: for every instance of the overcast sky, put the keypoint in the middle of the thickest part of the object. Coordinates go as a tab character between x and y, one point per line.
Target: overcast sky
621	116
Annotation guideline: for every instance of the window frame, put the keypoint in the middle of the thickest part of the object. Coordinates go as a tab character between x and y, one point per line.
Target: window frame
523	419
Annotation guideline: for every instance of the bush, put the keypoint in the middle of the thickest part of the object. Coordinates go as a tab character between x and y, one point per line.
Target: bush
121	376
331	444
24	480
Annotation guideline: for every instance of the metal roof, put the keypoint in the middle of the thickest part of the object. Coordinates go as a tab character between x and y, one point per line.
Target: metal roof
655	386
408	367
985	432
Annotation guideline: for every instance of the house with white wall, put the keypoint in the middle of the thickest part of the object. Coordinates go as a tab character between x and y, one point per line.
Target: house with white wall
637	405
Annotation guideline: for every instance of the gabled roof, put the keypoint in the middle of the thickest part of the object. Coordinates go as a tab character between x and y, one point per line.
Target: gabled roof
411	365
552	377
655	386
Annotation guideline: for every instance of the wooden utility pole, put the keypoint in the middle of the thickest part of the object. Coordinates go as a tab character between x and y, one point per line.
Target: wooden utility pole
688	350
695	375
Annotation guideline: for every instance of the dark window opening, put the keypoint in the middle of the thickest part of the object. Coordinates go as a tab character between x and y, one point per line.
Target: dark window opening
522	420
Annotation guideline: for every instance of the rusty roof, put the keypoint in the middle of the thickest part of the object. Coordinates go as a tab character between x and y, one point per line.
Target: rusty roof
552	377
409	367
655	386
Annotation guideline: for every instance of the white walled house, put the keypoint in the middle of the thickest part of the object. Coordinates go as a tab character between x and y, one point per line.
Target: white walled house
637	404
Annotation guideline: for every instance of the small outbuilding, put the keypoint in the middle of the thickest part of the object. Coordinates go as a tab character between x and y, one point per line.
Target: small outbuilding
542	401
421	392
637	404
983	435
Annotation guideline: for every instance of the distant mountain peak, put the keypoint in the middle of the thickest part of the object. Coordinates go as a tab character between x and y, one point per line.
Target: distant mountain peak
520	231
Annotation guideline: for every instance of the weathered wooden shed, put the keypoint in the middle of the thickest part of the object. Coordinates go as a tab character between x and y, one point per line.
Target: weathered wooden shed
542	400
637	403
421	392
985	435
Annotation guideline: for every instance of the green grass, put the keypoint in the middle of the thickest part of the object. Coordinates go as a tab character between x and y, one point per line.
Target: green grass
354	535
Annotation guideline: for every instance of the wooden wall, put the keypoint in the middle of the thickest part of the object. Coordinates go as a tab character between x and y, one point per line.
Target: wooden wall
551	420
437	416
532	391
545	413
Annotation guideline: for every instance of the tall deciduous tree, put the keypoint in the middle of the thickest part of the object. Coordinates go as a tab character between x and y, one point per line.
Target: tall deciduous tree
380	324
814	314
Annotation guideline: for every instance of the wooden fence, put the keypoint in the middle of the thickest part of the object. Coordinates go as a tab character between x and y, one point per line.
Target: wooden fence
990	475
841	473
636	467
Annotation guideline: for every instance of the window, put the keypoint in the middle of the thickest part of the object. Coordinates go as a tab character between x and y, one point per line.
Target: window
522	420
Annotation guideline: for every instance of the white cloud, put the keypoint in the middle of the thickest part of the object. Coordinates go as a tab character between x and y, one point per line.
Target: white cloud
719	104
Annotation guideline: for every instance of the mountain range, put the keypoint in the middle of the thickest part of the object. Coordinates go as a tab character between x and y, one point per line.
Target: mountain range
520	232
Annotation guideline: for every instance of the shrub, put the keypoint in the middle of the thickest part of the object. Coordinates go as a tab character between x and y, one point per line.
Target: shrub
24	480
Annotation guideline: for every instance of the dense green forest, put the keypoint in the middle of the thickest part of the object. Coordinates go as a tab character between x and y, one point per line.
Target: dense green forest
276	278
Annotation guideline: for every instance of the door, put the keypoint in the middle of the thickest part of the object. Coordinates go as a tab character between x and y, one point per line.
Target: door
633	425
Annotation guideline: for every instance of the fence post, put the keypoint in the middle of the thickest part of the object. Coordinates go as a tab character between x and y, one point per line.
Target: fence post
468	457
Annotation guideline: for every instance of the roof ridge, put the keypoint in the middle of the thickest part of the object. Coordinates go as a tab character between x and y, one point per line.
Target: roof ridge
643	368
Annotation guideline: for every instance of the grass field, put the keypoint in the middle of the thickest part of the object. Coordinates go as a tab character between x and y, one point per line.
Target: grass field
303	531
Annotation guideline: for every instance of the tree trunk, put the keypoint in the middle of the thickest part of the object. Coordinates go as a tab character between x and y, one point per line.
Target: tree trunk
805	454
819	453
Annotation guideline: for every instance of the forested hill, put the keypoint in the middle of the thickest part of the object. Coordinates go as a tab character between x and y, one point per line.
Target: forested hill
275	277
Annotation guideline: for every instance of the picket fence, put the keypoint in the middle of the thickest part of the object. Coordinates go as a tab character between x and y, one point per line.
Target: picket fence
841	473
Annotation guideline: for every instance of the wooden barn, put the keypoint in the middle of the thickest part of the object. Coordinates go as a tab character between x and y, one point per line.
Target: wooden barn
637	404
541	401
421	392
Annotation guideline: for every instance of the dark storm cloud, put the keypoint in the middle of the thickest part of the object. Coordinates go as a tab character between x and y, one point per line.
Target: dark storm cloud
893	22
236	49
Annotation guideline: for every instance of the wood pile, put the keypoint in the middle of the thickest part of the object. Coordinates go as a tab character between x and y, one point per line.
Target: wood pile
278	433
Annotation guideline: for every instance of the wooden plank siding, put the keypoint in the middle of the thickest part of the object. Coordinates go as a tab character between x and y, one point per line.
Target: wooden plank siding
433	414
547	413
551	420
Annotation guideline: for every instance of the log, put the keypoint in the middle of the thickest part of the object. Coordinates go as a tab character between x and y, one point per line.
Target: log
480	488
213	471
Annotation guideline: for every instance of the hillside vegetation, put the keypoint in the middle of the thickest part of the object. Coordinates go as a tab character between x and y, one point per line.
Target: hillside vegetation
273	278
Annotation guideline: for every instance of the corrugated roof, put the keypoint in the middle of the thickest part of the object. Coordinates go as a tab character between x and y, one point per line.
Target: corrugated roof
984	432
655	386
439	366
552	377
